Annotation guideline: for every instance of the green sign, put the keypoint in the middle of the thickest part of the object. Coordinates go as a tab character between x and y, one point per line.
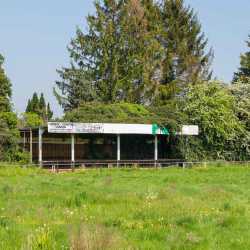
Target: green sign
157	131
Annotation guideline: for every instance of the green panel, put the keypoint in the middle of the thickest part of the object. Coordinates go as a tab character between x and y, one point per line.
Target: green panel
156	129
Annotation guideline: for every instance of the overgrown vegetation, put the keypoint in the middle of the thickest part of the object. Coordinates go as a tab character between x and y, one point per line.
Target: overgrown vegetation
125	209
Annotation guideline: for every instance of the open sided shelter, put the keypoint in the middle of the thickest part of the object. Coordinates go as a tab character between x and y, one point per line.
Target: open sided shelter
69	142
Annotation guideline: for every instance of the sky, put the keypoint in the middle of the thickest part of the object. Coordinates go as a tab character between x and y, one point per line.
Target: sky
34	35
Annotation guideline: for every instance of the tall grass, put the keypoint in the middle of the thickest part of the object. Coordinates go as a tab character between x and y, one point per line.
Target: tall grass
201	208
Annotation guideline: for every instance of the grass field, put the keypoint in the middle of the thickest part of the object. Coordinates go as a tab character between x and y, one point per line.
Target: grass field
202	208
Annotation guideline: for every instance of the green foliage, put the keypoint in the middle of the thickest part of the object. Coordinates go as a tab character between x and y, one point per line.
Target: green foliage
49	112
29	108
243	73
31	120
5	89
210	105
120	54
35	104
241	105
185	60
9	136
95	112
38	107
42	104
77	87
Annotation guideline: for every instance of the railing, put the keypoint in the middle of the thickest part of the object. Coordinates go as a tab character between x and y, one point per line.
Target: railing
55	166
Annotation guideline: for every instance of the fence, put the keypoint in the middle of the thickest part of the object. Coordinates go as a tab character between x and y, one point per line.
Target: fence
140	164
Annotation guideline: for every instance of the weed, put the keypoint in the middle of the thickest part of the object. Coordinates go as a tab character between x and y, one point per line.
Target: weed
93	237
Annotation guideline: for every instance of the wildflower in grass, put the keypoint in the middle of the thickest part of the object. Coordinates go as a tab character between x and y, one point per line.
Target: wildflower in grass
71	212
212	207
7	228
45	225
2	208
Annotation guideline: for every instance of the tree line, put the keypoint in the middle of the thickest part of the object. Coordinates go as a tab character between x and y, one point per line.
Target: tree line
146	62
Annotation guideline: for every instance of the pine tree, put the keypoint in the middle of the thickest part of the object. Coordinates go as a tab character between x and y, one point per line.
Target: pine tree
42	106
29	108
143	53
185	60
49	112
35	102
5	89
244	71
79	88
120	53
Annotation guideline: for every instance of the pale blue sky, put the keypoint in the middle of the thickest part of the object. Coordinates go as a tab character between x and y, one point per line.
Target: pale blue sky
34	35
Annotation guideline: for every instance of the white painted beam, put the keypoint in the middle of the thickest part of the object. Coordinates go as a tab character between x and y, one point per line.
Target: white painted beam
40	156
156	149
30	145
118	149
72	147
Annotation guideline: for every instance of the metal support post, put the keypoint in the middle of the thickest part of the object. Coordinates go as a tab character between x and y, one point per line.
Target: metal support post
72	152
30	146
156	150
186	145
40	133
23	141
118	150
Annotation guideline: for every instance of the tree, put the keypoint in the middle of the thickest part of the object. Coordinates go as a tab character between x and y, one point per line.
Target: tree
5	89
185	60
35	102
210	106
78	86
30	120
120	53
49	112
241	105
243	73
42	104
36	106
29	108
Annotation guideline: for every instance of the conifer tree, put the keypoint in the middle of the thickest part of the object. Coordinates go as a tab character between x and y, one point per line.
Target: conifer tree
79	88
186	60
244	70
29	108
5	89
120	53
42	104
49	112
35	102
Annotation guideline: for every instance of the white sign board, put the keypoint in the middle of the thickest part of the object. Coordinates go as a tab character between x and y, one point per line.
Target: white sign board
88	128
189	130
60	127
112	128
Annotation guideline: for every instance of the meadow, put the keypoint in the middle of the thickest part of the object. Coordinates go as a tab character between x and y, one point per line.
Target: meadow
198	208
